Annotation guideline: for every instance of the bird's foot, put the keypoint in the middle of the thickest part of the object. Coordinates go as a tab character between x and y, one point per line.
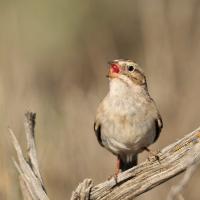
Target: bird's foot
117	171
153	154
115	176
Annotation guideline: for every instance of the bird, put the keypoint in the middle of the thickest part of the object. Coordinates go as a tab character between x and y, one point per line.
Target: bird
127	120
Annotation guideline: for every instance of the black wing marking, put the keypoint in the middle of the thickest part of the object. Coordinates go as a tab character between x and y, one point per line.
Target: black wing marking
97	129
159	126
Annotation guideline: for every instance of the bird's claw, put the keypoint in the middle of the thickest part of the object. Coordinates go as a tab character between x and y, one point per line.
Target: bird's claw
153	154
115	176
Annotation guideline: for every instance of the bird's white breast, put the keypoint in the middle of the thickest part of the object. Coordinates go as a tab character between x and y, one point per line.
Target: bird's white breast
126	123
124	98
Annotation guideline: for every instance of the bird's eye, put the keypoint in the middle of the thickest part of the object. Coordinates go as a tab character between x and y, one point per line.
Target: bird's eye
131	68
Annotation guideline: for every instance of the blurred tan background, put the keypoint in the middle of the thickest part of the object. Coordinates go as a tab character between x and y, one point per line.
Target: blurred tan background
53	61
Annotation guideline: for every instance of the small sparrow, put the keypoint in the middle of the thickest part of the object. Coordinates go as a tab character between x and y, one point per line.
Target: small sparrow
127	120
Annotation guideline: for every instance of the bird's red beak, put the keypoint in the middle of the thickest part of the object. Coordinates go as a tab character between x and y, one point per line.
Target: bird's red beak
113	71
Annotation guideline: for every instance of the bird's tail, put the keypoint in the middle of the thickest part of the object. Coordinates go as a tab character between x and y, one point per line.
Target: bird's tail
127	162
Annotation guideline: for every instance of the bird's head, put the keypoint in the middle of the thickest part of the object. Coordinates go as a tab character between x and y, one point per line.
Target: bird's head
127	71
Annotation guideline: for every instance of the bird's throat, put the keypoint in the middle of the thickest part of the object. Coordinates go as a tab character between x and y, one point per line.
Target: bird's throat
125	88
119	87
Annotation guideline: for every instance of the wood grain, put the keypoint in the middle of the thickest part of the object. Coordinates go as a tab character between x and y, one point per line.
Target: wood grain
173	160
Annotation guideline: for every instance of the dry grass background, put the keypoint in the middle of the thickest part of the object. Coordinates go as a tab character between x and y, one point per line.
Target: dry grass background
53	60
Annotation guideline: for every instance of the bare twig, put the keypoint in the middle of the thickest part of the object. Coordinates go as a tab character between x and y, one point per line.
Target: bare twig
29	125
30	179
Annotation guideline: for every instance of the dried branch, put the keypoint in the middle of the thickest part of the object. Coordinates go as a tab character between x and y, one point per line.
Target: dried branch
177	189
83	190
29	125
173	159
30	179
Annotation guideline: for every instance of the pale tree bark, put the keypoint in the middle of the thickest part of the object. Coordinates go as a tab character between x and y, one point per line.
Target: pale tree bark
29	176
174	159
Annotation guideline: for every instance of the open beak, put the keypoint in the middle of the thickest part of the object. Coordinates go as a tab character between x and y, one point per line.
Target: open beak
112	74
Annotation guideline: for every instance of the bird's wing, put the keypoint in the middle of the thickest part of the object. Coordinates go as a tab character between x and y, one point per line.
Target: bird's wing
159	126
97	130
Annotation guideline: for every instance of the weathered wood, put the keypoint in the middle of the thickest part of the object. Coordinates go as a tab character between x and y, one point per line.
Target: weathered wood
29	125
177	189
82	191
173	159
29	176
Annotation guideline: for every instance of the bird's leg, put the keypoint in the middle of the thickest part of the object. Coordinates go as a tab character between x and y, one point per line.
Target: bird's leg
117	167
152	153
117	170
